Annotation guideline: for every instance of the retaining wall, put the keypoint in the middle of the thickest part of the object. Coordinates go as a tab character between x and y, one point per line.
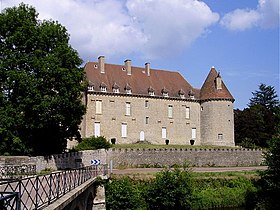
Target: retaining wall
196	157
142	157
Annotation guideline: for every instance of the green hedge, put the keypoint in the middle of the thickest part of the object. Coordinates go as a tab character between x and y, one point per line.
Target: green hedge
93	143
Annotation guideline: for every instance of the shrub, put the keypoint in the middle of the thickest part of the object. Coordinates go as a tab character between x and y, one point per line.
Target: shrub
170	190
93	143
123	194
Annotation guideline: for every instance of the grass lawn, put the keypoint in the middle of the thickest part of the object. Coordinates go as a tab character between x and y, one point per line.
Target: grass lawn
164	146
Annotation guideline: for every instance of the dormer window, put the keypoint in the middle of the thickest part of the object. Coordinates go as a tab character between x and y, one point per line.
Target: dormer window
127	89
164	92
90	88
151	91
181	93
103	87
191	94
116	88
218	82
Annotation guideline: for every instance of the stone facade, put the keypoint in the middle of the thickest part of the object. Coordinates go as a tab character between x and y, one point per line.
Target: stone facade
132	104
148	117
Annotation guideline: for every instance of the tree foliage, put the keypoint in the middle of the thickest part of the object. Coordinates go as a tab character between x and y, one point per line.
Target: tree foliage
40	84
266	97
255	125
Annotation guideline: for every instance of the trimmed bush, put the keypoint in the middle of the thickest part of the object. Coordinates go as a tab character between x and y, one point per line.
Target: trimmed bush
93	143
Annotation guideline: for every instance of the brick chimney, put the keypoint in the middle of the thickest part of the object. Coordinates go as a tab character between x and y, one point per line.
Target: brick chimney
128	66
148	69
101	64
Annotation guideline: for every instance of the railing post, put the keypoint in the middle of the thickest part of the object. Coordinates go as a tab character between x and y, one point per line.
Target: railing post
17	201
64	182
19	194
50	190
36	191
58	183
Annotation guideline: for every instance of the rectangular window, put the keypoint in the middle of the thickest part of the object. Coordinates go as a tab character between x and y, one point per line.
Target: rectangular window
147	120
163	133
97	129
124	130
170	111
187	112
98	106
127	109
220	136
193	133
146	104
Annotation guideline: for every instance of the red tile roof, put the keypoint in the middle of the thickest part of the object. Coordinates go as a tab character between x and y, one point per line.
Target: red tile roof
209	90
159	80
139	81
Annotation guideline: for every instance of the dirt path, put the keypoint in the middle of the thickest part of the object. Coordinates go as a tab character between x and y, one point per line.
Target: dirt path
195	169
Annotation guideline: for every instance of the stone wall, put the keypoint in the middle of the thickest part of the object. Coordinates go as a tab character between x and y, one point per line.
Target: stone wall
195	157
144	157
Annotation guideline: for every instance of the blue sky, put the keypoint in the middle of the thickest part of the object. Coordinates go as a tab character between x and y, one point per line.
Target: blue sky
239	37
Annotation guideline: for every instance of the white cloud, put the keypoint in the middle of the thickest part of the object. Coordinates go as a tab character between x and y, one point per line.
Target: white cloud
170	25
240	19
150	28
269	11
266	15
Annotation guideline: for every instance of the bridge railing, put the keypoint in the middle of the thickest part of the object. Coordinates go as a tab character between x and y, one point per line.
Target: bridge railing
36	192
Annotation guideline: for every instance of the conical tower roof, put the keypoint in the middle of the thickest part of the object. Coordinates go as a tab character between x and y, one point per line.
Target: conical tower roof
210	89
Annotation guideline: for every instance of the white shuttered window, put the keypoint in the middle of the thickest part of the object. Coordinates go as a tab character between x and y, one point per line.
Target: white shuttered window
96	129
98	107
127	109
124	130
163	133
193	133
187	112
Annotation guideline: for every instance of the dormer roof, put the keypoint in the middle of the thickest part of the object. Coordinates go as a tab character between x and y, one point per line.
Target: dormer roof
209	89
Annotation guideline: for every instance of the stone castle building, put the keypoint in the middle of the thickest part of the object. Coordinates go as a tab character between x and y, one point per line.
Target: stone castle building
130	104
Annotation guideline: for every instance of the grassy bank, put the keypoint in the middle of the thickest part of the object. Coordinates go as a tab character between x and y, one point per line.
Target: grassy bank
164	146
199	191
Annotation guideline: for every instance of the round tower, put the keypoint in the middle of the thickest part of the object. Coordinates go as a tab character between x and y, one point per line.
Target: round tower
216	118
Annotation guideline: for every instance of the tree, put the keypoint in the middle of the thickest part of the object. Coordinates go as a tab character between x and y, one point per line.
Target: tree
40	84
266	96
270	179
256	124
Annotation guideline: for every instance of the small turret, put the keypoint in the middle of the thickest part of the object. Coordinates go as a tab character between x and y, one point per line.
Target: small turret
217	122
